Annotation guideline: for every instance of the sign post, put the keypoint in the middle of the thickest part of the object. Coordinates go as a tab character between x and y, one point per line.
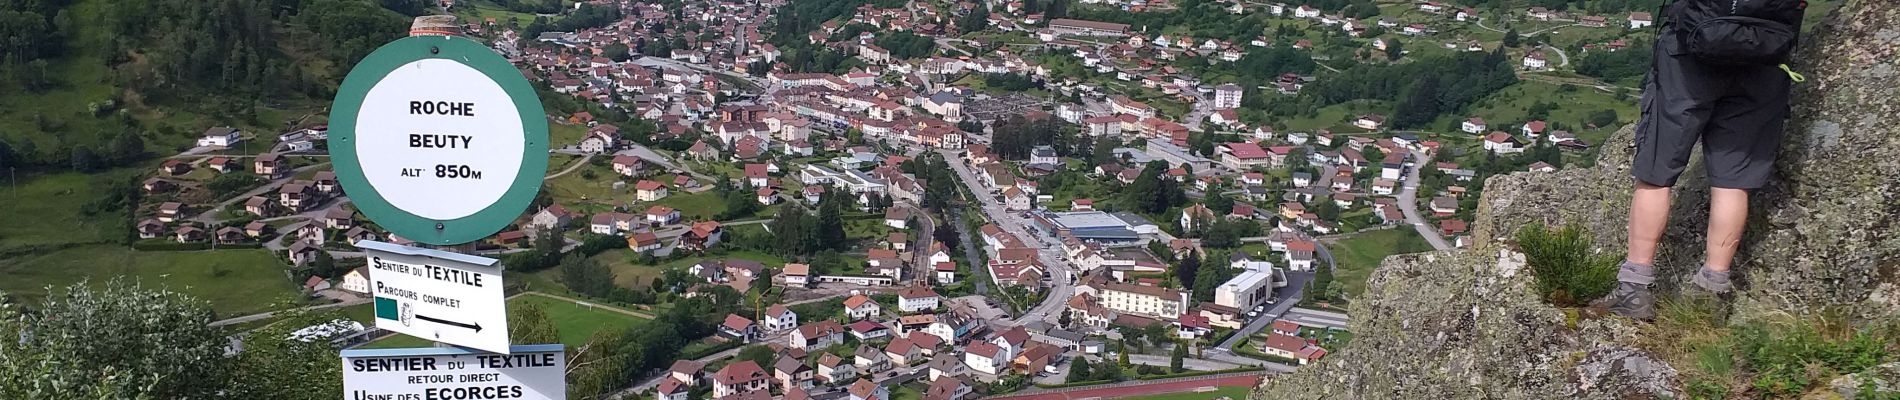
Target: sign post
441	141
445	373
437	295
438	139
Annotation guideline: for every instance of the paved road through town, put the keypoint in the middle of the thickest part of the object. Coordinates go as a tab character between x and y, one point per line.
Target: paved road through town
1048	252
1408	203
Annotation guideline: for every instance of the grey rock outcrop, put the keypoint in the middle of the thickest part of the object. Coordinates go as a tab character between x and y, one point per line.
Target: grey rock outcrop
1824	235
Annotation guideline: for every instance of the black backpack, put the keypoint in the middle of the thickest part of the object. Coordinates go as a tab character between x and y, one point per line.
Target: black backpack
1738	32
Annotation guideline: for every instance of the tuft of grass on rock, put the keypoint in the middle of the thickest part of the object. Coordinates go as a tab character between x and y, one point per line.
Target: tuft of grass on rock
1568	273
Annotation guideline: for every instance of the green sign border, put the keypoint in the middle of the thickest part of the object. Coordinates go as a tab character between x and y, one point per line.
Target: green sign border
349	171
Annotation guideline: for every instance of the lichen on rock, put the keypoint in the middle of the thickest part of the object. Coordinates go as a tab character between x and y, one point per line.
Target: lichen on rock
1824	235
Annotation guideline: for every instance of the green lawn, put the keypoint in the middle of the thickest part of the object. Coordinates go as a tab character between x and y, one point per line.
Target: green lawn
695	206
575	190
575	323
560	135
1232	392
626	272
1359	255
905	392
44	211
234	282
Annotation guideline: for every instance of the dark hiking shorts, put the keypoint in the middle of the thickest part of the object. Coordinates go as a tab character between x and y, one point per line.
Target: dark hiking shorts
1737	112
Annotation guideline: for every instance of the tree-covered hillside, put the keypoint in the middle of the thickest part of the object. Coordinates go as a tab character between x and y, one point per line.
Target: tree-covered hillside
74	74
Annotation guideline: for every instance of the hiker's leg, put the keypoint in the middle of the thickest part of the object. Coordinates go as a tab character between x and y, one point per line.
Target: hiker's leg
1728	212
1740	148
1649	214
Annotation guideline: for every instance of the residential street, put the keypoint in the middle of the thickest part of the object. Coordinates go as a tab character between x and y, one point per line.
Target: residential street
1408	203
1048	253
210	216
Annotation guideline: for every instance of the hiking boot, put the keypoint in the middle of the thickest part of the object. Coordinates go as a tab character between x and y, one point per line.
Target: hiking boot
1631	300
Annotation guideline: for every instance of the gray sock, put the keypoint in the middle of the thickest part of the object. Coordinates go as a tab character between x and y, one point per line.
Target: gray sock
1712	280
1641	274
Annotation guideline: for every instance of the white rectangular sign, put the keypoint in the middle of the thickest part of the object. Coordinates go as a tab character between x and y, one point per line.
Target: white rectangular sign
437	295
533	372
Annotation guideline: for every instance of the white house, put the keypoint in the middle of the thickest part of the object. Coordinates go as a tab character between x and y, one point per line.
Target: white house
739	377
985	357
860	307
222	136
1502	143
1640	20
1473	125
778	318
1534	61
796	274
816	335
356	281
917	298
647	190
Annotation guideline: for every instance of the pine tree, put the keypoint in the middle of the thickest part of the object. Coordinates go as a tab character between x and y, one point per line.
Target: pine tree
831	224
1178	358
1206	280
1321	280
1123	347
1188	269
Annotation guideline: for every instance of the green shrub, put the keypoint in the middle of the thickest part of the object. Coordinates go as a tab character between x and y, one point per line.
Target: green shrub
1568	275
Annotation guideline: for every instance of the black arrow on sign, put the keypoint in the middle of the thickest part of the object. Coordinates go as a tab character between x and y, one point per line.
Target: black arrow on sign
476	326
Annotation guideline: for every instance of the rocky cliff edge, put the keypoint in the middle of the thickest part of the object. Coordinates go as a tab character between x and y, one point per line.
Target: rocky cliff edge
1823	236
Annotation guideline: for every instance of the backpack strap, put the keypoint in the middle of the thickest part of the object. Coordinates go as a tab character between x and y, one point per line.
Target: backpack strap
1797	77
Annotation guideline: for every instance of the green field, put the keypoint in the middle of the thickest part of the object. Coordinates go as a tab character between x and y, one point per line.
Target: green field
694	206
1338	117
563	134
626	272
1506	109
477	11
1359	255
1232	392
44	211
234	282
576	191
575	322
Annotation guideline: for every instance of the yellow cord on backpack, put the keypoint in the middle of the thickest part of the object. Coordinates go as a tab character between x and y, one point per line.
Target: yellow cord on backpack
1796	76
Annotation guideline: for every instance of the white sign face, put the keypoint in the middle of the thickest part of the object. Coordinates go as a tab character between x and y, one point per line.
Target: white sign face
440	373
437	295
436	126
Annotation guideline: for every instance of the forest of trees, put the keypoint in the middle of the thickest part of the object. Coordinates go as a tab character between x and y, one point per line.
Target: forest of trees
906	45
1014	137
1631	62
587	16
1427	88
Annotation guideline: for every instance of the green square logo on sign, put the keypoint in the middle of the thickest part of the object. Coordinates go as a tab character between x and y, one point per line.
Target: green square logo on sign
438	139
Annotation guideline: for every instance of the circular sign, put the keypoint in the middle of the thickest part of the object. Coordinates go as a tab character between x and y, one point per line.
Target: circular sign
438	139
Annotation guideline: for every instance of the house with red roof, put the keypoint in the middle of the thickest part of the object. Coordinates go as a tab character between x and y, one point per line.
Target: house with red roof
739	377
1243	156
